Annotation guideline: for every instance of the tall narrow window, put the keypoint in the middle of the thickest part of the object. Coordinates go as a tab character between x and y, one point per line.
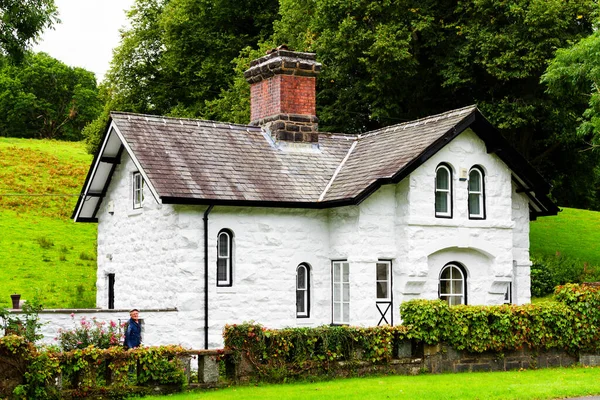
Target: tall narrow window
224	257
453	285
443	191
302	291
138	190
476	194
384	280
341	292
111	291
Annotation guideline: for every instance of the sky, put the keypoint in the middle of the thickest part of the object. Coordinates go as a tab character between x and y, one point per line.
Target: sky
88	33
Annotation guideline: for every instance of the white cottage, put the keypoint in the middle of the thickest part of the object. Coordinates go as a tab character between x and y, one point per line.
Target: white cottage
278	223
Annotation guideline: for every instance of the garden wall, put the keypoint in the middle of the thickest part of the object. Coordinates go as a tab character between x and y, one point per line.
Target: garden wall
159	326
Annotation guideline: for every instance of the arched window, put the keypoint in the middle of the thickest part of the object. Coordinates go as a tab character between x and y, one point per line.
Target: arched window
443	191
453	284
303	291
224	258
476	194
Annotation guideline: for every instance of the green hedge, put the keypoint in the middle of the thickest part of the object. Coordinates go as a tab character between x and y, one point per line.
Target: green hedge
571	323
547	272
279	354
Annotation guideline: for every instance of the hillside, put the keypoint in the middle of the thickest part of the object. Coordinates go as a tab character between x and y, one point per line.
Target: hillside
573	233
42	252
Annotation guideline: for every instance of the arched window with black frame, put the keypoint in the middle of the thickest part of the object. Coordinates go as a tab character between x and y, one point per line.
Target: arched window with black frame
453	284
303	291
225	258
476	193
443	191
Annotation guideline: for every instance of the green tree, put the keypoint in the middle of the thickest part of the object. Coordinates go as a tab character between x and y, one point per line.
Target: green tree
44	98
23	21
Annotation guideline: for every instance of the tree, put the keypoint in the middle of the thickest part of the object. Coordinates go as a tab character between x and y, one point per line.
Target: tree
573	76
44	98
22	21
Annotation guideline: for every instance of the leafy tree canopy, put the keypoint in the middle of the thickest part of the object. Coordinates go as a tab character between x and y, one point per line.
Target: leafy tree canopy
44	98
385	62
21	21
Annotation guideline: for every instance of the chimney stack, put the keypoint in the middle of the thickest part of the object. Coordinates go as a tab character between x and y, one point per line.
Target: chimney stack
283	95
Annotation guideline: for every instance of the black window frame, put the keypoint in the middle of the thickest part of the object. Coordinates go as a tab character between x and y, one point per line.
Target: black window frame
450	213
483	207
306	291
463	271
229	258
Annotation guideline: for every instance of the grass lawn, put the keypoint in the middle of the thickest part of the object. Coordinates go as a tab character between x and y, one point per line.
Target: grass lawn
574	233
42	251
522	385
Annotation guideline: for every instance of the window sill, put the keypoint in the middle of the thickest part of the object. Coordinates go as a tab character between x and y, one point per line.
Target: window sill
226	290
135	211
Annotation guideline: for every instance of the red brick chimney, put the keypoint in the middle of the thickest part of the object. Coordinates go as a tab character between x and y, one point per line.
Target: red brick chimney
283	95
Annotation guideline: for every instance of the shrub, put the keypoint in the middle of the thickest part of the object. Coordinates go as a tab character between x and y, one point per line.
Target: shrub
279	354
549	272
28	326
86	333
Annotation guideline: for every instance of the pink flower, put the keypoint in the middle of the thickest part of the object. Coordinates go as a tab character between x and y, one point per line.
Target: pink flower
113	324
72	315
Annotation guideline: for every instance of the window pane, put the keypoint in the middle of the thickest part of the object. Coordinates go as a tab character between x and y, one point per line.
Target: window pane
223	245
474	206
474	181
442	179
455	300
457	287
336	312
446	273
346	313
382	290
222	269
336	272
444	287
346	268
346	292
382	272
336	293
441	202
300	306
301	278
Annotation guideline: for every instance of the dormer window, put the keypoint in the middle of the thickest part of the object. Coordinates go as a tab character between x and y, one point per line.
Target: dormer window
138	190
443	191
476	194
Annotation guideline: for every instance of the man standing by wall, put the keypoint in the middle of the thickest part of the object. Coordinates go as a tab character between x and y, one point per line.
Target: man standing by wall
133	331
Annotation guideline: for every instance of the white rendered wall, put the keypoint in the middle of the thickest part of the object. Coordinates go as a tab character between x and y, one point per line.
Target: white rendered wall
484	247
157	253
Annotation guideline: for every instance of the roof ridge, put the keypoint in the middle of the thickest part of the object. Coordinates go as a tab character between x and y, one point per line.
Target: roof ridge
181	121
421	121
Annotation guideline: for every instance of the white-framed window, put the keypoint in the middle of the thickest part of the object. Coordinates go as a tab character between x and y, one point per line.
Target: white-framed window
138	190
453	284
340	281
224	258
443	191
476	194
303	291
383	280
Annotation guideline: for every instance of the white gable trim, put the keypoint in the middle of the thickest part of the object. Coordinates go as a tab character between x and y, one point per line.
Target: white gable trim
101	172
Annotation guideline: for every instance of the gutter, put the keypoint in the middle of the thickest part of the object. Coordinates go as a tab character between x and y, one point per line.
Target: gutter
205	218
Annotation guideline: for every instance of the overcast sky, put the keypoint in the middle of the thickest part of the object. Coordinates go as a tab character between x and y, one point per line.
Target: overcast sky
88	33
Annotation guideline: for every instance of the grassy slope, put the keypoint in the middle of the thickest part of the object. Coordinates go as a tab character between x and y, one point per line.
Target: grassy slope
574	233
42	252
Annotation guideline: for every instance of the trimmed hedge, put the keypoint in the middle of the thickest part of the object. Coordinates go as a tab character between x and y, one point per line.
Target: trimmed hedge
279	354
571	323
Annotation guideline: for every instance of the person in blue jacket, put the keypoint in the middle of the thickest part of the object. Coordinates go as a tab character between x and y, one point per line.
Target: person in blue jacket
133	331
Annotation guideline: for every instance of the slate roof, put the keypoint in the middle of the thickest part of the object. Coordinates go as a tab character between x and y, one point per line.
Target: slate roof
188	161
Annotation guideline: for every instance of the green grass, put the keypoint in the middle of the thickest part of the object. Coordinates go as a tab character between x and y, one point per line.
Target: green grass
573	233
43	252
522	385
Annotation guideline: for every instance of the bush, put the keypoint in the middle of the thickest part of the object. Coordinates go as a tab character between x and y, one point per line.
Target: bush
572	323
279	354
28	326
90	333
549	272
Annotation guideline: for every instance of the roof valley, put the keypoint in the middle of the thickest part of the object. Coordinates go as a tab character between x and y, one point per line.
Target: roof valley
337	171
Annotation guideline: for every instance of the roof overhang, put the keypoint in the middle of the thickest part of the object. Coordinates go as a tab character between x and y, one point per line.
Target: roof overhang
100	174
